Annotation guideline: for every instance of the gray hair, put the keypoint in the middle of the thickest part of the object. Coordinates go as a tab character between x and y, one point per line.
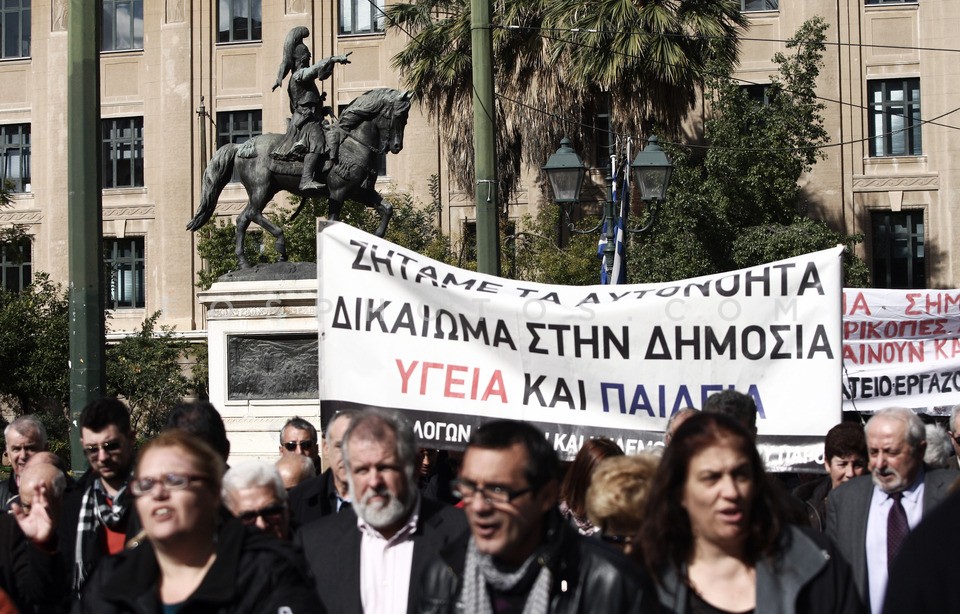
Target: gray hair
25	425
301	425
374	423
953	417
915	433
252	474
939	449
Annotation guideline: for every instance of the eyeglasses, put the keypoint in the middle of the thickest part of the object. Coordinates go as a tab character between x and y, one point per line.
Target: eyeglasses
170	481
271	513
110	447
306	445
465	489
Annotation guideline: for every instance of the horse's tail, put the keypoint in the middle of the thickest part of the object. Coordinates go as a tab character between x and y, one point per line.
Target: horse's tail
215	177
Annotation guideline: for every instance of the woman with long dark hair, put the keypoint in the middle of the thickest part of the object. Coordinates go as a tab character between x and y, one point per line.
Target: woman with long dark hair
715	539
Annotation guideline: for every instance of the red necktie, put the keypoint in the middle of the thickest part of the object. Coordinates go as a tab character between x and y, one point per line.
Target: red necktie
897	528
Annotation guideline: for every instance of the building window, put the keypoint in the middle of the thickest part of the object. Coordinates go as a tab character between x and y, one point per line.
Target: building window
757	92
122	25
894	128
122	152
747	6
239	20
16	267
15	29
238	127
380	164
15	169
123	259
898	250
361	16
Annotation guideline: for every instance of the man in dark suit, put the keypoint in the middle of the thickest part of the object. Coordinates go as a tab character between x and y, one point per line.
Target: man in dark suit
329	492
868	517
369	558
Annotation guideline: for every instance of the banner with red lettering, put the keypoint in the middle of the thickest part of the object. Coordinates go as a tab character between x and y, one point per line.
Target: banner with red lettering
901	347
454	348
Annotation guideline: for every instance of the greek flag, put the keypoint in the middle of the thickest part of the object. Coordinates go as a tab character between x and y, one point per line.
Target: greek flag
622	209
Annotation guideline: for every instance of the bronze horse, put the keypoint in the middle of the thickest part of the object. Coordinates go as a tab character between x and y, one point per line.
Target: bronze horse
371	125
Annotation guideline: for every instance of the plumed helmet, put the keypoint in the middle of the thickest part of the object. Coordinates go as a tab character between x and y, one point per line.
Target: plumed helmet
294	38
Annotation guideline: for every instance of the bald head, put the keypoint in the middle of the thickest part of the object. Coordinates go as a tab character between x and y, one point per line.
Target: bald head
41	474
294	468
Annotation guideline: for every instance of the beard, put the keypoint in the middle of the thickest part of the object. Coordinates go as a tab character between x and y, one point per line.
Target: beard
381	516
889	480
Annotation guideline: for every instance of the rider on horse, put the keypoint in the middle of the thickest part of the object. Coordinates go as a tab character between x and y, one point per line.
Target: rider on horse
306	136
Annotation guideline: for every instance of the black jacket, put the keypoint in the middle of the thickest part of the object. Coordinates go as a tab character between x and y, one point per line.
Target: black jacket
31	577
814	495
70	516
253	573
588	576
313	499
332	548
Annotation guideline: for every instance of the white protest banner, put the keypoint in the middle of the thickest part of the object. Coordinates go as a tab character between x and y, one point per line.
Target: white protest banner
454	348
900	347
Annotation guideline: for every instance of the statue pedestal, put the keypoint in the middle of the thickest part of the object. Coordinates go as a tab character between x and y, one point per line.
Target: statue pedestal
263	357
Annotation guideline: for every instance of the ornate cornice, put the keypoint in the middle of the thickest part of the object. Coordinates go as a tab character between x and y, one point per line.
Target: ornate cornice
21	217
129	212
887	183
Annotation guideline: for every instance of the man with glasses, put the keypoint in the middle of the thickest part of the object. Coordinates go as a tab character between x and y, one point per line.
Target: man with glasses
520	555
254	493
300	437
369	558
329	492
98	516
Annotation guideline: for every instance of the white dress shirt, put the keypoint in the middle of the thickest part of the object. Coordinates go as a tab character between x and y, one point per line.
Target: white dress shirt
385	566
876	544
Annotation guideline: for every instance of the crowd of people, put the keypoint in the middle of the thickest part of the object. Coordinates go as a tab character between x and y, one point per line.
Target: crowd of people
501	528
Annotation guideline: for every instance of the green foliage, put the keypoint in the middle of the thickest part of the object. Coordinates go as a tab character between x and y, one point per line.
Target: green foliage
532	254
35	354
411	226
740	203
34	343
643	60
760	244
145	370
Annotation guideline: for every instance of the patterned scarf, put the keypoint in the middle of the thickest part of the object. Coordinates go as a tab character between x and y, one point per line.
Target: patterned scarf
481	572
94	513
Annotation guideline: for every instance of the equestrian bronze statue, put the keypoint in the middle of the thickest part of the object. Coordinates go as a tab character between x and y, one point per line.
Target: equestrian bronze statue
349	147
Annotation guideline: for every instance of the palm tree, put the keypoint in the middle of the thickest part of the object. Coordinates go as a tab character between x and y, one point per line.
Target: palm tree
556	62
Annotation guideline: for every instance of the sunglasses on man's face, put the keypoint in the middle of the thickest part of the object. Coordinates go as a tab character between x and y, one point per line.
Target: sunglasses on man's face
110	447
271	514
306	445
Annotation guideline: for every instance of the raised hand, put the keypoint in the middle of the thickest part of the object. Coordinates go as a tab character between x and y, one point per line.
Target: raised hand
37	520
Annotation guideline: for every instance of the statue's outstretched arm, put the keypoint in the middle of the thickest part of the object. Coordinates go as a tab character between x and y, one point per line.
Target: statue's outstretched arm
324	68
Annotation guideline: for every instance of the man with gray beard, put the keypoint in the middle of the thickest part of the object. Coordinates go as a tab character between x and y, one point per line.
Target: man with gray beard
368	559
869	516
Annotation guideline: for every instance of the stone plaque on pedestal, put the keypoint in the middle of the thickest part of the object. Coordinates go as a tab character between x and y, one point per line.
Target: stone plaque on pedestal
262	344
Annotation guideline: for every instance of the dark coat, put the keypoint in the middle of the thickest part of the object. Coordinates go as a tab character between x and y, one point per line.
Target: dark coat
253	573
813	495
312	499
8	491
848	511
588	576
70	516
806	577
30	576
924	572
332	547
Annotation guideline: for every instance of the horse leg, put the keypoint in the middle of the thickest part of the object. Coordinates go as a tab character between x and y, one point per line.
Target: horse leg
372	199
276	231
334	206
243	222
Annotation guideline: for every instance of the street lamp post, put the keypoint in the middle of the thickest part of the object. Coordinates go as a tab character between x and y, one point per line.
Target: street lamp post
652	169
